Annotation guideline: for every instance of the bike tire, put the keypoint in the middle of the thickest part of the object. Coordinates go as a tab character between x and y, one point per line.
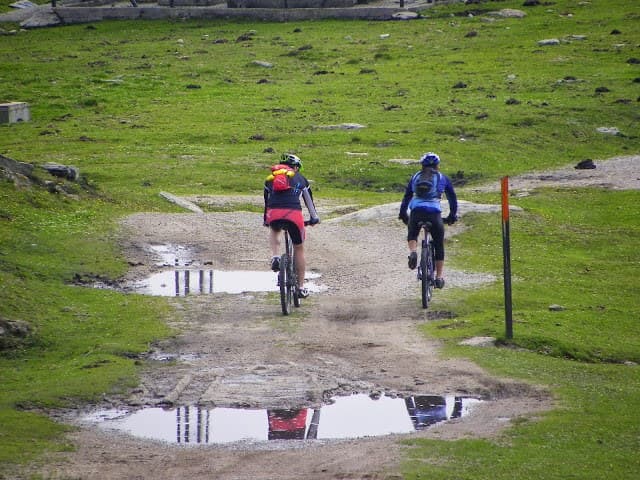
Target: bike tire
424	277
283	282
426	265
294	278
431	269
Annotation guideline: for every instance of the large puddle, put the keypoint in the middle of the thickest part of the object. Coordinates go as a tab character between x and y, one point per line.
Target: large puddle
354	416
183	279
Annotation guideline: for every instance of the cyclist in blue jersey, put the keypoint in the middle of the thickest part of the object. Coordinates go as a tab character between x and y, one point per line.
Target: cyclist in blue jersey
421	203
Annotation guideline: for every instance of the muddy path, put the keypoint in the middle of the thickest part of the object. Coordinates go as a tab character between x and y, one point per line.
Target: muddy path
237	350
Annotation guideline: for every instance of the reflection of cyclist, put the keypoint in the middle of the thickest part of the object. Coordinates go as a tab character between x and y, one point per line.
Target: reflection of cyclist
282	208
422	197
287	424
426	410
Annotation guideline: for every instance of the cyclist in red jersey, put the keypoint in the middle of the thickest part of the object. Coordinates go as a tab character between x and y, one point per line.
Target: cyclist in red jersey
284	208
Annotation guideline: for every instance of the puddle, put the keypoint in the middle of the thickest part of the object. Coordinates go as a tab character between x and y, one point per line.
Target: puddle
355	416
182	282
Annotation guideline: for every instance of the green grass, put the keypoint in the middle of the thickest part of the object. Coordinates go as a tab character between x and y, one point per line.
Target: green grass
85	341
576	248
593	433
143	107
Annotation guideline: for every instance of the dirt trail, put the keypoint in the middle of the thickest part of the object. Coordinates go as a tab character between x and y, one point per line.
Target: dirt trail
360	335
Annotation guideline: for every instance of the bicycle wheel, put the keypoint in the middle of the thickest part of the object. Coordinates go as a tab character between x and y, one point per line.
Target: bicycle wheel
426	266
283	281
294	283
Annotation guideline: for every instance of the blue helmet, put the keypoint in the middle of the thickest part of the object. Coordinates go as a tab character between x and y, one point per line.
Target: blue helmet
429	159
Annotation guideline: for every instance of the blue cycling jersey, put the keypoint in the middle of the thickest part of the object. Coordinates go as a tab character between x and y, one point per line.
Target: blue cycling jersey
424	191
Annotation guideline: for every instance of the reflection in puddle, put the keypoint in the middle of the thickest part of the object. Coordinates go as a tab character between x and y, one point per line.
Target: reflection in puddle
193	282
182	280
354	416
180	283
172	254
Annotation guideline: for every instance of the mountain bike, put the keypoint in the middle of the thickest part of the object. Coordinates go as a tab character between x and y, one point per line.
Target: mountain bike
426	268
287	276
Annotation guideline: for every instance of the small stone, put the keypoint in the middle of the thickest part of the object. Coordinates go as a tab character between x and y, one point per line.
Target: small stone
585	165
548	41
608	130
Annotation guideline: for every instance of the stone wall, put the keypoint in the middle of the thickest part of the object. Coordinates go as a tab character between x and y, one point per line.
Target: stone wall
71	15
289	3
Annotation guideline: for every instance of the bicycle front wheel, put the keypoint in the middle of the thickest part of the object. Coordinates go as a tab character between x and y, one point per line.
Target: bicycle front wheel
426	266
294	283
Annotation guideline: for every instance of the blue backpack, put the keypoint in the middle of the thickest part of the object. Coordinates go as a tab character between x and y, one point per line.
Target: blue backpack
425	185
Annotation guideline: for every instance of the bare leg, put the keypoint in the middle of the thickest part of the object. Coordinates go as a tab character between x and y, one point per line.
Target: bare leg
439	268
274	242
301	263
413	245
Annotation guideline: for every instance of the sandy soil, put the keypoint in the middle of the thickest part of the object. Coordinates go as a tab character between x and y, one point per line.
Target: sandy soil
360	335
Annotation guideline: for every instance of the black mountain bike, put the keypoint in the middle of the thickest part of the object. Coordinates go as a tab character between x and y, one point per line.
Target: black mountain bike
427	265
287	278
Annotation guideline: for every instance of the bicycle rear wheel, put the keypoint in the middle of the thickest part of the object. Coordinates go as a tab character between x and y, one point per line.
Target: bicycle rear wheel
426	266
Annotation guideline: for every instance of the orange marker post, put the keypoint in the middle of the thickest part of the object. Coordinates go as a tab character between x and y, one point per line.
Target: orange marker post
506	253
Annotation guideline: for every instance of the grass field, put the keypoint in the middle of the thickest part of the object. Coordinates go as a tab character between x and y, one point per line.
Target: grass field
143	107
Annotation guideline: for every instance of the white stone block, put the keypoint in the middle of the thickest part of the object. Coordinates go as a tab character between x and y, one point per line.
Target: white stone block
14	112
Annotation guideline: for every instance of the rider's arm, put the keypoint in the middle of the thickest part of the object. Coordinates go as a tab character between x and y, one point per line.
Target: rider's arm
452	198
408	195
267	191
307	196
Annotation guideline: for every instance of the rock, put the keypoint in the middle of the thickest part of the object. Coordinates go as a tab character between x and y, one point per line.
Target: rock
479	342
608	130
405	15
62	171
23	4
509	13
186	204
556	308
13	333
260	63
585	165
9	165
42	17
342	126
548	42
